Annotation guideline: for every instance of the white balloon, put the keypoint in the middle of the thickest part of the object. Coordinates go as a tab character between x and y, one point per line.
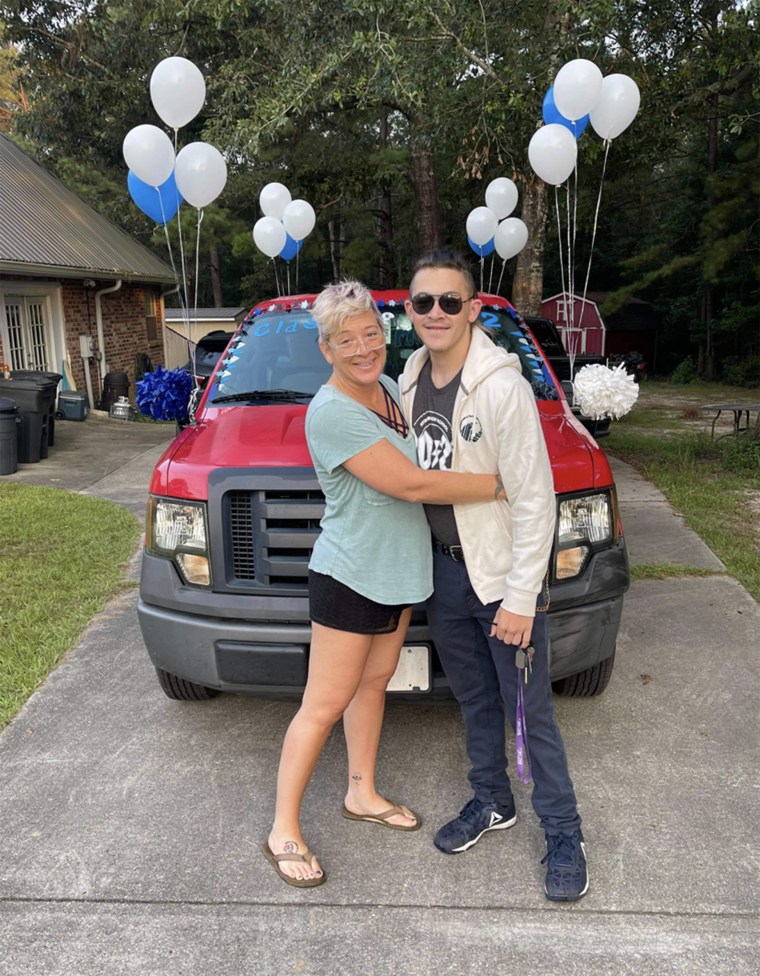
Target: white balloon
552	153
177	90
501	196
149	153
617	106
299	219
510	238
481	225
577	88
200	173
273	199
269	236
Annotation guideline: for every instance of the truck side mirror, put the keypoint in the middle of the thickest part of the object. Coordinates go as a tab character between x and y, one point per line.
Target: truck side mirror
567	388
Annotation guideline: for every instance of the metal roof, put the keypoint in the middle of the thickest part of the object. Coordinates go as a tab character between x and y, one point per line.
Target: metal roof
204	314
46	229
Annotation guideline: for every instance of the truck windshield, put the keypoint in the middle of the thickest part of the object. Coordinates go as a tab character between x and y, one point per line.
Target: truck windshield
278	350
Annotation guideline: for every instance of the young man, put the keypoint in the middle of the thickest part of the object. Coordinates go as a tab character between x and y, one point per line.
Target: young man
472	410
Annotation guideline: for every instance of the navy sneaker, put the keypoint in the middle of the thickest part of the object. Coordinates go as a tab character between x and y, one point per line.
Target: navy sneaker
474	820
566	871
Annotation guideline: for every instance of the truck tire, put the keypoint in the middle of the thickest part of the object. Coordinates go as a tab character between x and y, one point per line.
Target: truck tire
588	683
179	689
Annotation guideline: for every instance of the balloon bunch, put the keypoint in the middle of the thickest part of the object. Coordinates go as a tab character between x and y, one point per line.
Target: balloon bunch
490	228
160	178
286	223
580	96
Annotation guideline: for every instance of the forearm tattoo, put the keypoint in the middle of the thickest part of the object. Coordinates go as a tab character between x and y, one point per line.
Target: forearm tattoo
499	487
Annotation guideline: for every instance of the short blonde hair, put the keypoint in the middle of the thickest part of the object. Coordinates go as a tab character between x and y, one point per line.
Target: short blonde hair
341	301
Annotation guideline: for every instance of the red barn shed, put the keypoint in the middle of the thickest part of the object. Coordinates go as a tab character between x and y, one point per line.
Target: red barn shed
579	322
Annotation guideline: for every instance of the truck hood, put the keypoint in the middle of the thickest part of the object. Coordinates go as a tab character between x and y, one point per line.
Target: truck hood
265	436
578	463
232	437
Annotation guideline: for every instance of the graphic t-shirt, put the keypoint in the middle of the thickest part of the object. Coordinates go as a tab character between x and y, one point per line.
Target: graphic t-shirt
432	417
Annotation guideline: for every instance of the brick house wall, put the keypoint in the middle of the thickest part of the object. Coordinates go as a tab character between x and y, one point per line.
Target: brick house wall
126	329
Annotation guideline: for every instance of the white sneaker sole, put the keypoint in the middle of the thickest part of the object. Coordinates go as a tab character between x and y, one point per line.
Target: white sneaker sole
471	843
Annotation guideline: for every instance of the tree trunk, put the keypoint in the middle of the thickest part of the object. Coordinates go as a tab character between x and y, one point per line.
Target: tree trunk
333	228
527	288
708	364
216	278
387	270
422	173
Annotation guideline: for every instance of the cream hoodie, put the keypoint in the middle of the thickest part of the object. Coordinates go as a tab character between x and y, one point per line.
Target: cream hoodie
506	545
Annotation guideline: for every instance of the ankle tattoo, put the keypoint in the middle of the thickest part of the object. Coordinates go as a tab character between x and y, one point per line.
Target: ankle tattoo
290	847
356	778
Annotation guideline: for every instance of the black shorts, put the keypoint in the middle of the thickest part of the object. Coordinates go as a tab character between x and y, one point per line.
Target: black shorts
332	604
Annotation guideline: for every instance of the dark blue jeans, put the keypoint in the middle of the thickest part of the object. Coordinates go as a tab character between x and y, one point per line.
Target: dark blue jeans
483	676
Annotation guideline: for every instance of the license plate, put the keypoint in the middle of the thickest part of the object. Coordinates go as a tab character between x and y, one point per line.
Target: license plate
413	671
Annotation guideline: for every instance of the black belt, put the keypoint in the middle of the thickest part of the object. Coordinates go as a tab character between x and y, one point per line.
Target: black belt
455	552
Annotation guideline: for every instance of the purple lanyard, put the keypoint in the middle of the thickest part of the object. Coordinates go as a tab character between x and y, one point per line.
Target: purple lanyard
521	733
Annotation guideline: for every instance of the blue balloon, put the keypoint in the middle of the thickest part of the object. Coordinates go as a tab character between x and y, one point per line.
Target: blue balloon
147	198
552	115
290	248
482	250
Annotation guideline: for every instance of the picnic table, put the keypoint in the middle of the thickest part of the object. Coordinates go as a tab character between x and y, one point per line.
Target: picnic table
739	410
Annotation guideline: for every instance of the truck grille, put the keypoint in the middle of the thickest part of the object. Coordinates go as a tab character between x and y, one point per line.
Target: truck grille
270	535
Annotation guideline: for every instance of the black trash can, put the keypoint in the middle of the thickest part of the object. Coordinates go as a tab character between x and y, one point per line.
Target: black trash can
115	385
9	423
35	402
44	378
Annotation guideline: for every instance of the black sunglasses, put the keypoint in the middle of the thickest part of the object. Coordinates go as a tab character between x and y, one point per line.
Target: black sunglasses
450	302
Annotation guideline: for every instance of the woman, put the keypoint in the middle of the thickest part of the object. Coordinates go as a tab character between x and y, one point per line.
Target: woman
362	584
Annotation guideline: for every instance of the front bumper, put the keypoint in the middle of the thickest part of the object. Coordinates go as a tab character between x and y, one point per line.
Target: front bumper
260	645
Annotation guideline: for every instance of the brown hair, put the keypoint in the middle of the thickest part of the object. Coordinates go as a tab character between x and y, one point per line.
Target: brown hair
445	259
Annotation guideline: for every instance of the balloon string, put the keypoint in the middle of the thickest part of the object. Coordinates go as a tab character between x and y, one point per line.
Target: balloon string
569	310
288	271
574	336
596	220
186	304
482	263
559	243
197	261
503	266
490	276
182	301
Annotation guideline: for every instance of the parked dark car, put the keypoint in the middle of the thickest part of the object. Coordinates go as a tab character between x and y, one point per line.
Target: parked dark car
207	353
549	339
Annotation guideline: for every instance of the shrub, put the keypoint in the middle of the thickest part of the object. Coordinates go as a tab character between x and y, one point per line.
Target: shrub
741	372
685	372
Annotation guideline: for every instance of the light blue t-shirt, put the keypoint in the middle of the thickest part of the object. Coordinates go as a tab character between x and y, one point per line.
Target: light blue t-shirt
376	544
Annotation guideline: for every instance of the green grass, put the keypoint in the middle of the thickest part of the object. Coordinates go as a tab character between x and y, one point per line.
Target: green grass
659	571
63	556
710	482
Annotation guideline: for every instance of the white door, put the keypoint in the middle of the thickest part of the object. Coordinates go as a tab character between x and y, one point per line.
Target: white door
28	330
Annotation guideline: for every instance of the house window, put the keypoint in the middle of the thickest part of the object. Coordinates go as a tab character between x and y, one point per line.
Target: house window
151	325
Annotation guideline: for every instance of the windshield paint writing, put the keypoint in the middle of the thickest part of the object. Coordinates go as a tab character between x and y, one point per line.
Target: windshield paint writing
269	327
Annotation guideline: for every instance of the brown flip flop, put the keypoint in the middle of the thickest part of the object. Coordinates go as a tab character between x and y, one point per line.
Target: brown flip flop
382	818
274	860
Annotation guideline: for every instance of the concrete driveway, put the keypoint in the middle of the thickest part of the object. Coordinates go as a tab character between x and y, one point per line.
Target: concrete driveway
132	825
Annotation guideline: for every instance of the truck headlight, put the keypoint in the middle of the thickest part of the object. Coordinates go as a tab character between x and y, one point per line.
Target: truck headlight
584	523
177	530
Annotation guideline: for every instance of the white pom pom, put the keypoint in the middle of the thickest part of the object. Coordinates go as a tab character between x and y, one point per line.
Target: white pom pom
603	392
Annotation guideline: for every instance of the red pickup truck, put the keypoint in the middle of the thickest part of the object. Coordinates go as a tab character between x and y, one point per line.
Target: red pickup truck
235	505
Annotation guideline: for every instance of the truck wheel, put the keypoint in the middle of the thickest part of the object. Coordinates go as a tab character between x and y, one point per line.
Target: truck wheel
180	689
586	683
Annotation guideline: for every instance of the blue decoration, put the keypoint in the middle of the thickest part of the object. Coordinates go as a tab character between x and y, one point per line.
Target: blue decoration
482	250
552	115
290	248
164	394
147	198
